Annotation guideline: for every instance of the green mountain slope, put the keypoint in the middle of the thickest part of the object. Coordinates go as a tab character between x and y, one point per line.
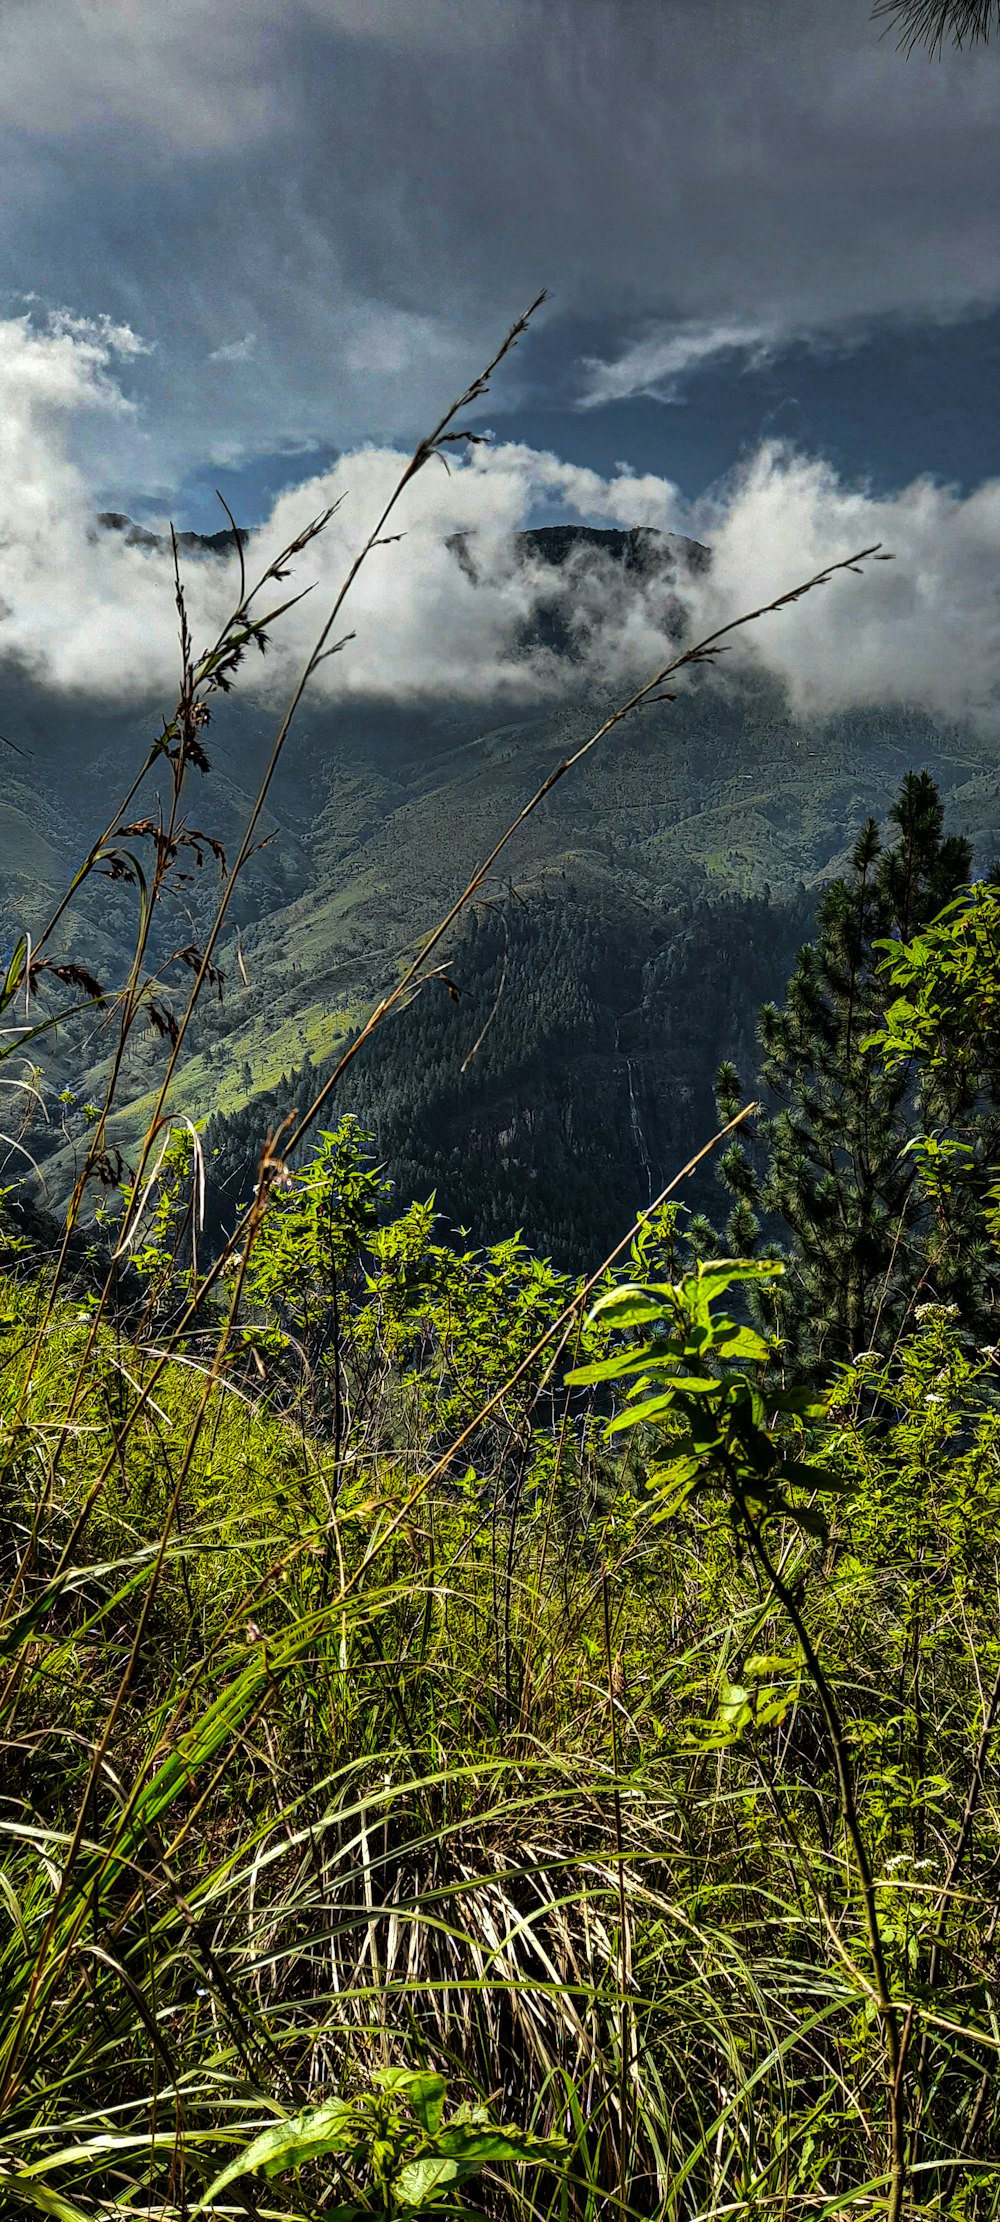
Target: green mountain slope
657	894
653	904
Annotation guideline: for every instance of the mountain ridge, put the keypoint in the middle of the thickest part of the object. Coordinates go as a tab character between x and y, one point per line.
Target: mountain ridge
188	543
382	810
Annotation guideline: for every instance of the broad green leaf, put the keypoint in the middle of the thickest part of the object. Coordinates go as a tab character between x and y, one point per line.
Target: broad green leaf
624	1307
770	1662
421	2180
332	2127
425	2093
713	1280
639	1357
773	1706
735	1710
818	1478
655	1408
743	1343
803	1404
680	1484
474	2146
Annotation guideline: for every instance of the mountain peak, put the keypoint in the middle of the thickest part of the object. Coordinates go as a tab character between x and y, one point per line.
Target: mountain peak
640	549
189	543
643	557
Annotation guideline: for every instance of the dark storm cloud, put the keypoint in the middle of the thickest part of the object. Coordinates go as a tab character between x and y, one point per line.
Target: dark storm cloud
321	212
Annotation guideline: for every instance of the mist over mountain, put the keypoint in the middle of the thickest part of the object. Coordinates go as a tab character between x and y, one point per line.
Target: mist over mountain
187	543
650	905
567	612
640	551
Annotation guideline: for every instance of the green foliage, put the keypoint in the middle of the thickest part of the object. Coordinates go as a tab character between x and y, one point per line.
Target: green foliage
390	1784
945	1001
397	2141
694	1376
322	1217
343	1307
943	1024
167	1214
731	1432
306	1267
734	1438
834	1170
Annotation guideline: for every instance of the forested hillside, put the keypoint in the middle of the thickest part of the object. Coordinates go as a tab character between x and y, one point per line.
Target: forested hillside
563	1068
661	892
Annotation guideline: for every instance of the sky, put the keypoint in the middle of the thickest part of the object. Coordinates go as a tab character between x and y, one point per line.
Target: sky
257	245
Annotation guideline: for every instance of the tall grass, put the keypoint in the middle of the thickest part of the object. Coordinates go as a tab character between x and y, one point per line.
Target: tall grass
392	1739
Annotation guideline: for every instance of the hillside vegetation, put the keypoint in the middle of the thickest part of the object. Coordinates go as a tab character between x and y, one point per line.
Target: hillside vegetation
693	846
479	1738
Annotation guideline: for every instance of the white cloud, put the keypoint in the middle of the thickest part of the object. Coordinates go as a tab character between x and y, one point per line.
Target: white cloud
422	625
923	630
237	351
87	613
66	606
84	611
205	76
656	363
112	340
383	342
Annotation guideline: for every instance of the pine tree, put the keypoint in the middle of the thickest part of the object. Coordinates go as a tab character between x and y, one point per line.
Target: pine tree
936	23
830	1167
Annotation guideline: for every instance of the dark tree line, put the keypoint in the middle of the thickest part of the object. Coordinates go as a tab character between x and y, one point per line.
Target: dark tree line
832	1177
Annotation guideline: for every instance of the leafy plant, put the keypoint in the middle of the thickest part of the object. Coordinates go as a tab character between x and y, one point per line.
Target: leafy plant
394	2151
741	1438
